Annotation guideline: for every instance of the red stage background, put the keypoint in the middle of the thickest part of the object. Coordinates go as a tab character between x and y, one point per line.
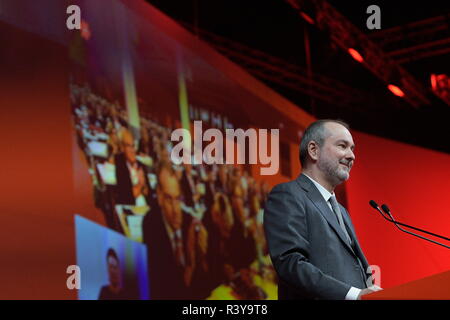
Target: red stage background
413	182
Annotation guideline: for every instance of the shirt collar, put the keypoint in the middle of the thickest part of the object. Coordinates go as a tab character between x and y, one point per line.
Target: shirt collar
324	192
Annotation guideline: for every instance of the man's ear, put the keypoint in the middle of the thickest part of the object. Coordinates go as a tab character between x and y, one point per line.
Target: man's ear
313	150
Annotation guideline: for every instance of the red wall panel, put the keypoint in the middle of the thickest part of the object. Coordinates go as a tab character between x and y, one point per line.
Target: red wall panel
37	235
414	183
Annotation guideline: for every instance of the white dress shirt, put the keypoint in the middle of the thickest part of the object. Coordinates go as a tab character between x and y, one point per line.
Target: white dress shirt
353	293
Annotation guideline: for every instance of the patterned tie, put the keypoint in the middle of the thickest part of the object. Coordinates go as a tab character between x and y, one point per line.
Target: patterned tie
338	213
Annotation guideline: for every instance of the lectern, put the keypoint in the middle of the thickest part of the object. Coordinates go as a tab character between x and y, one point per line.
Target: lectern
435	287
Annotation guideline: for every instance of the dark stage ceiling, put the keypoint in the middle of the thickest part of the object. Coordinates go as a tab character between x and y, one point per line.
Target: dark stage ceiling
274	28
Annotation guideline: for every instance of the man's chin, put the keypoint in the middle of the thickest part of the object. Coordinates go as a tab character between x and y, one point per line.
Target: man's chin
344	176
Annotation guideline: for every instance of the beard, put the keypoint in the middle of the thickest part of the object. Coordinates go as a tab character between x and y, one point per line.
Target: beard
333	170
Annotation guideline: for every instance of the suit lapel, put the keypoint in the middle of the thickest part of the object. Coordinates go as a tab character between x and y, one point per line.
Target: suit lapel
351	231
316	198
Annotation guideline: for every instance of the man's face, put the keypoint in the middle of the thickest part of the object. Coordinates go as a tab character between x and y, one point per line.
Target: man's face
188	168
144	134
212	176
336	155
128	148
114	272
169	199
222	172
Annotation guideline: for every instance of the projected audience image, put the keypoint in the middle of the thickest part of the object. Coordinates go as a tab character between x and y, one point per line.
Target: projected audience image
202	224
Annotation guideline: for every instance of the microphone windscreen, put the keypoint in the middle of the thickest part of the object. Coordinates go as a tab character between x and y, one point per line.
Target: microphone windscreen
385	208
373	204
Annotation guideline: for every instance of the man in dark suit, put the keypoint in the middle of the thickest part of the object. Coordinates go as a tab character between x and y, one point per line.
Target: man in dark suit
164	229
311	239
132	180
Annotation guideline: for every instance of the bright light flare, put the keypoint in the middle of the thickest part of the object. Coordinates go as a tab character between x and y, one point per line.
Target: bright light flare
396	90
355	55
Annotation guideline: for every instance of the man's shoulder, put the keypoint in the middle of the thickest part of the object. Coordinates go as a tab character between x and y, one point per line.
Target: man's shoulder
293	187
284	196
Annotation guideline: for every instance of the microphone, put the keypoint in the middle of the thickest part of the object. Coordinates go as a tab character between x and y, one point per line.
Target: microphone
374	205
398	224
387	211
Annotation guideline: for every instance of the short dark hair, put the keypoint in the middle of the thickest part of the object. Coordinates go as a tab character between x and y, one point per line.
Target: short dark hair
111	253
315	132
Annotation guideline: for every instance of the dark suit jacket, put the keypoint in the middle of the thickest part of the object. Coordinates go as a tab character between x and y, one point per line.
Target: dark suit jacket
308	248
165	276
124	188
